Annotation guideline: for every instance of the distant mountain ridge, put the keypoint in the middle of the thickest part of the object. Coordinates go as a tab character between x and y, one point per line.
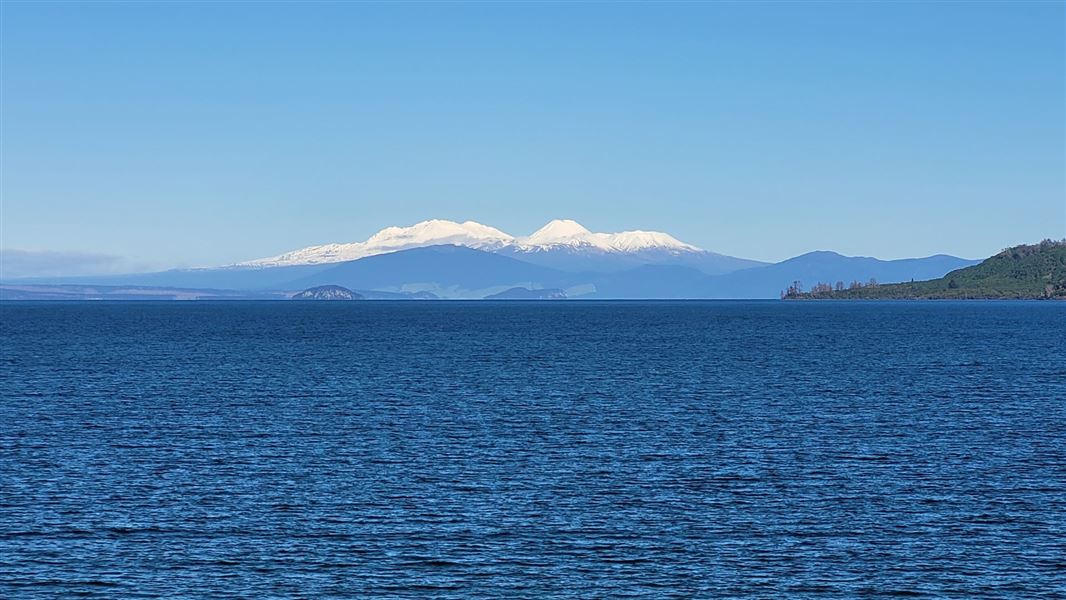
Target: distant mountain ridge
674	281
562	244
770	281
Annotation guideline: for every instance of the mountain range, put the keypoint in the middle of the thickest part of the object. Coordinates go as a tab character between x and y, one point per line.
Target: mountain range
447	259
561	243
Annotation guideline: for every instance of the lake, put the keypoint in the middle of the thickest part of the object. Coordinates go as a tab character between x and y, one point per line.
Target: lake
546	449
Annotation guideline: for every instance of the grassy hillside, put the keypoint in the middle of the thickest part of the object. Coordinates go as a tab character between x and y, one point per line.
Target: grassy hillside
1023	272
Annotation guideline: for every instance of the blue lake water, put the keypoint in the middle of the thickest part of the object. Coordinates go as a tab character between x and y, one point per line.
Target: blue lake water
569	449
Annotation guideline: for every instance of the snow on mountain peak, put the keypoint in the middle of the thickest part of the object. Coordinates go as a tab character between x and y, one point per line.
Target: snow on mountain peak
564	232
560	233
631	241
437	231
556	231
426	233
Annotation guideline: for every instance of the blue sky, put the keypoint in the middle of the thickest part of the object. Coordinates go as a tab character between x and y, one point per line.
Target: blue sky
207	133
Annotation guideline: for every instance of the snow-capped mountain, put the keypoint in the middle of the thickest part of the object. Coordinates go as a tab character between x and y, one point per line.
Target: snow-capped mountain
571	234
427	233
562	244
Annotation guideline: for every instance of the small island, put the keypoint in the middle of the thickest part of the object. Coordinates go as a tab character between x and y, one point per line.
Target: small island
327	292
1026	272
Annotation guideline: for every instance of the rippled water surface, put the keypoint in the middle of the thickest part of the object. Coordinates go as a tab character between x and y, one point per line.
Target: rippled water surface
448	449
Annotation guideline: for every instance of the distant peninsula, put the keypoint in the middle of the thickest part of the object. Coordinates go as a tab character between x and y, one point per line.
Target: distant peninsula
1026	272
521	293
327	292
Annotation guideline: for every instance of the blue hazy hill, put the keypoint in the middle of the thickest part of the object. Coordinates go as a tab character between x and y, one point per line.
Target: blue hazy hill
669	281
810	268
446	266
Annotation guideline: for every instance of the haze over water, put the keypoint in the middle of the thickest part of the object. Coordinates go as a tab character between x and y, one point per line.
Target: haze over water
647	449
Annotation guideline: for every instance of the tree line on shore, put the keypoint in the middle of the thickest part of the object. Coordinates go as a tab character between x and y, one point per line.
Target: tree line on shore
796	289
1028	271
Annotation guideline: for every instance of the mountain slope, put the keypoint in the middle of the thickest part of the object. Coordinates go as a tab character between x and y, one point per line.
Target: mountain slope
1023	272
649	281
584	259
448	271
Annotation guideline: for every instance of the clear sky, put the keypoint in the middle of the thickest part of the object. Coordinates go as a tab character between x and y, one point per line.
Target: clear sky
207	133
